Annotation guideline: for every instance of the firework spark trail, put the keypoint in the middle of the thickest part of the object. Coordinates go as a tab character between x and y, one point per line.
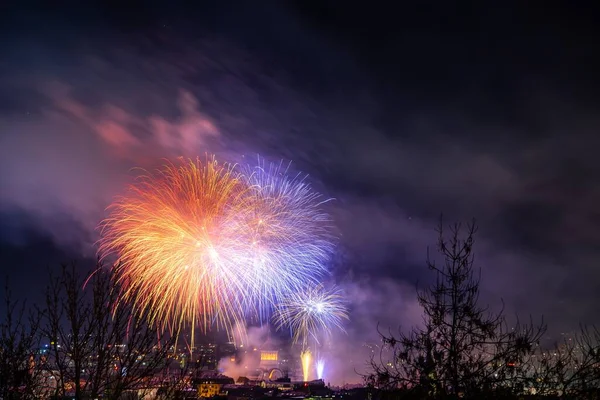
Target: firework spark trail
320	366
306	358
311	313
201	243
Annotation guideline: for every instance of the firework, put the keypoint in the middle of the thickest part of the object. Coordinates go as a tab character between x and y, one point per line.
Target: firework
311	313
205	244
169	236
286	226
305	358
320	368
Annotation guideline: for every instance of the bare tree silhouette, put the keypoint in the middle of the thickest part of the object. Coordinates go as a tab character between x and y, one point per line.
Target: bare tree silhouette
462	348
96	348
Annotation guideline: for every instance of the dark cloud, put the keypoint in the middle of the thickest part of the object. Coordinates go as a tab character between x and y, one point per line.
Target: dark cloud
432	120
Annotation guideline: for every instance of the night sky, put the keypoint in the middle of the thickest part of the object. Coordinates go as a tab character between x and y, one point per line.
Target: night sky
400	114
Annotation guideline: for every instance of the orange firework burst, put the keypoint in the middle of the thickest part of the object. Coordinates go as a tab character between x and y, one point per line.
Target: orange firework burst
170	234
